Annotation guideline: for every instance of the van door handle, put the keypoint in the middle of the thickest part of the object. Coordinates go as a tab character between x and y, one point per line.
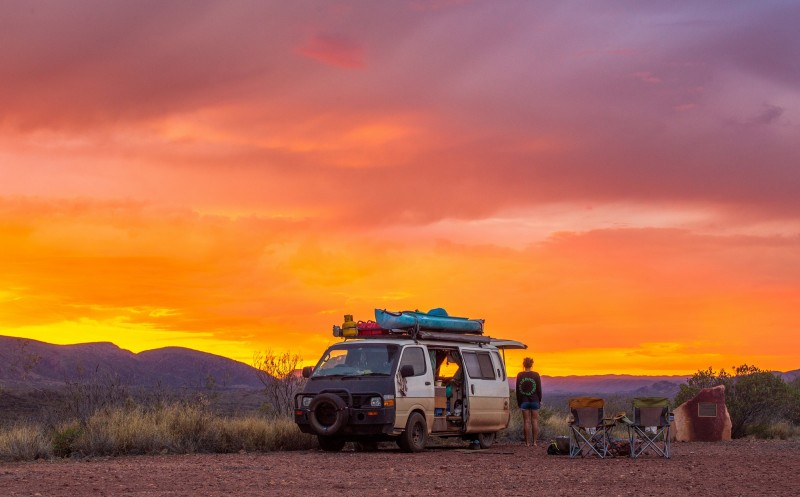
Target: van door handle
427	382
472	387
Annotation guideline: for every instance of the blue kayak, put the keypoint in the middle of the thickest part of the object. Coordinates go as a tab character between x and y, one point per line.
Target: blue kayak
437	319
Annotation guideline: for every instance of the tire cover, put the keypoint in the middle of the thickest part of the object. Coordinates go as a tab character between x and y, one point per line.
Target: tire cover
341	413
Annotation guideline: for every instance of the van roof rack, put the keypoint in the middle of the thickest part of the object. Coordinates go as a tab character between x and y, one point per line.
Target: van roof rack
440	336
453	337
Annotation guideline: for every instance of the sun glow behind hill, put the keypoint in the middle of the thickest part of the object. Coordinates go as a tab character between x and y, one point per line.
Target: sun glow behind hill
233	286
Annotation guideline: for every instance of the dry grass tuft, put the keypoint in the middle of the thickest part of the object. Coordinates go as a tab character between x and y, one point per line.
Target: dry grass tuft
260	434
24	443
782	430
176	428
119	431
552	423
181	428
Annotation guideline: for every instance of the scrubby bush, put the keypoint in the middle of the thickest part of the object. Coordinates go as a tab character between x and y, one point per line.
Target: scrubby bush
794	392
278	373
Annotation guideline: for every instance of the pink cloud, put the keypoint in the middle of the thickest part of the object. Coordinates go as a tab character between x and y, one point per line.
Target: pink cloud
167	95
334	50
646	77
685	107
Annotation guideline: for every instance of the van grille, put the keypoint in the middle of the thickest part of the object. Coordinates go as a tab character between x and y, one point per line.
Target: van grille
360	400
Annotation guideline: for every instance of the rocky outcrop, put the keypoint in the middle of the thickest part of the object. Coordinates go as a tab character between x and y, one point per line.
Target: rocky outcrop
704	417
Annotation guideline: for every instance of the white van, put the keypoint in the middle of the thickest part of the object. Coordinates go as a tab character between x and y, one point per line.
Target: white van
399	388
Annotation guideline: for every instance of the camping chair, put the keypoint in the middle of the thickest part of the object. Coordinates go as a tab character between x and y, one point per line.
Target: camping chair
650	426
588	429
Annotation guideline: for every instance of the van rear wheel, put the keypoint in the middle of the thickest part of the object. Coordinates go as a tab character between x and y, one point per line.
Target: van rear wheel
486	439
415	436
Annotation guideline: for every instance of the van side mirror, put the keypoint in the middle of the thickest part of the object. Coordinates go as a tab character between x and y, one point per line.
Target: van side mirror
406	370
307	370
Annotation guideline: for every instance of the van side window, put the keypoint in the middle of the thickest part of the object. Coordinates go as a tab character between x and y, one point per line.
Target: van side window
501	369
479	365
415	357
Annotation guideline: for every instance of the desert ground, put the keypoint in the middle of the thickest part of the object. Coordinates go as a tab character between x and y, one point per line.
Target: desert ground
740	467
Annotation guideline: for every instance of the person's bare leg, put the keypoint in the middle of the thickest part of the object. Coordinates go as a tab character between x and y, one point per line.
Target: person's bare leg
526	426
535	423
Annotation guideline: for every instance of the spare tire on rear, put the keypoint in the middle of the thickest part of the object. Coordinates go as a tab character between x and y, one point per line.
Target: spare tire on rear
327	414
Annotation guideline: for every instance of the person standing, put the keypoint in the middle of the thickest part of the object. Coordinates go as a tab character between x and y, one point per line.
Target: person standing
529	399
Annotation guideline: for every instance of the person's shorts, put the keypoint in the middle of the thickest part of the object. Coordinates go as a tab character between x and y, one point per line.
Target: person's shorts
533	406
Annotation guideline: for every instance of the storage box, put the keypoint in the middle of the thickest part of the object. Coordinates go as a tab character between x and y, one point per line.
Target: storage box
439	424
439	399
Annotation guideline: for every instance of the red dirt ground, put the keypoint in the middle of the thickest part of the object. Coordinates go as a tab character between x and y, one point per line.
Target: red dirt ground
740	467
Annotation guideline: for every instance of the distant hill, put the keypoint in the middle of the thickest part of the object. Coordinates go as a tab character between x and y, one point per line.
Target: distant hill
789	375
33	364
640	386
28	363
661	386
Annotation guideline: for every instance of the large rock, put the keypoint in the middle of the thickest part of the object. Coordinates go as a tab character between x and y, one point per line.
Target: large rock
704	417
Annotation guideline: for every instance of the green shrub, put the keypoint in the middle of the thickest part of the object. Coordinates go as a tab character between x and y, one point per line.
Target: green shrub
64	439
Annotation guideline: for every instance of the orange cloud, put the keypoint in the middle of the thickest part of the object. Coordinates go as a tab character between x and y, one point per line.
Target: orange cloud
606	301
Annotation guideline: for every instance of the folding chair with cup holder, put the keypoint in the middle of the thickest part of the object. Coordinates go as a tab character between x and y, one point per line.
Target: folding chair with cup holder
650	426
588	429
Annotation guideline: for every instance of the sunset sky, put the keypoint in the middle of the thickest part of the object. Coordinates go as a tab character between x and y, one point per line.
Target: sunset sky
614	183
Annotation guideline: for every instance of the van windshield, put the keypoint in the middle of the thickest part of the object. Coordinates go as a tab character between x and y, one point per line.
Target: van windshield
358	359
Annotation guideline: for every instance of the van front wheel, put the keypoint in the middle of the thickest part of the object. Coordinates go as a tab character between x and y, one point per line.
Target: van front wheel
330	444
416	434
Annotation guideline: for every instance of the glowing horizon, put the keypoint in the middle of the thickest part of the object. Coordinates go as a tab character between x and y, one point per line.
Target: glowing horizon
614	186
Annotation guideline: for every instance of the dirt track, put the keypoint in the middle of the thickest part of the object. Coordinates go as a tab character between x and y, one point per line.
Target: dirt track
741	467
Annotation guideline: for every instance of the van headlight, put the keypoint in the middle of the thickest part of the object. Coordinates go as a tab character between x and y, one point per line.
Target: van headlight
305	401
376	402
